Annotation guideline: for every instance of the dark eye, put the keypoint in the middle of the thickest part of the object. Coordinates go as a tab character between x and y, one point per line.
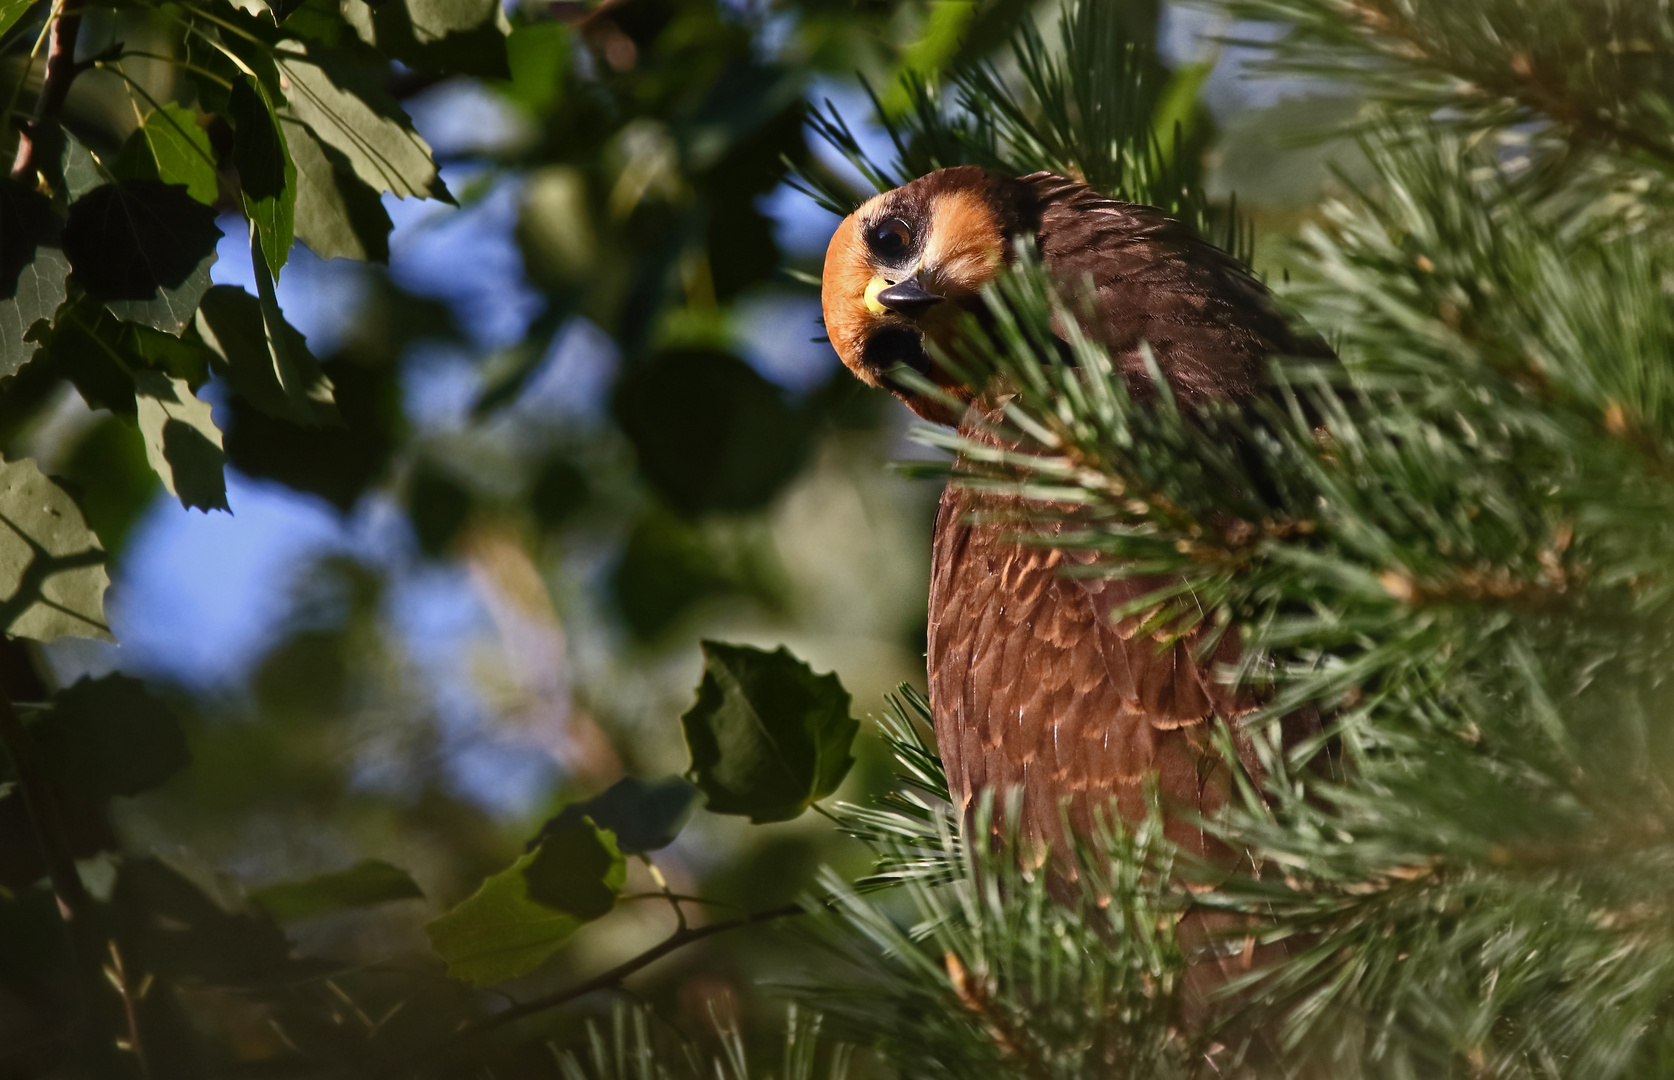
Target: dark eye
890	239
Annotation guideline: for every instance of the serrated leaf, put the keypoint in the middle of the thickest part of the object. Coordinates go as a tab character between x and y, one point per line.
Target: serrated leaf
144	248
79	171
96	352
337	215
349	110
182	442
519	917
768	737
33	270
284	383
460	37
644	815
368	882
266	174
52	569
171	147
110	736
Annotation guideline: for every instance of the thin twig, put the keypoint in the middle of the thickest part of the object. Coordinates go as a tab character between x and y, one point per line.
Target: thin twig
61	71
602	981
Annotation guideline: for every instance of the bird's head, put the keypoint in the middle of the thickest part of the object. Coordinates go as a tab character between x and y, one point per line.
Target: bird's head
903	267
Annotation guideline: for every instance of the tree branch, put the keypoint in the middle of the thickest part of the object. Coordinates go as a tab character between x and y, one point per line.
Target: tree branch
61	70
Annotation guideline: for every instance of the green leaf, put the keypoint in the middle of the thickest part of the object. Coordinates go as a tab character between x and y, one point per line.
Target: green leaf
170	146
710	433
539	56
144	248
11	11
52	569
768	737
110	736
459	37
182	442
33	270
266	361
644	815
266	174
368	882
112	482
519	917
349	110
337	215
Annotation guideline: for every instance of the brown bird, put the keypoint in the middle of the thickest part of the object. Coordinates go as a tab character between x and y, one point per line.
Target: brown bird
1033	683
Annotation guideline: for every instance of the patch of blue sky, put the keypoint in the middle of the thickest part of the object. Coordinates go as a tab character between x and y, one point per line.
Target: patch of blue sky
1189	34
574	379
201	596
467	257
320	297
777	334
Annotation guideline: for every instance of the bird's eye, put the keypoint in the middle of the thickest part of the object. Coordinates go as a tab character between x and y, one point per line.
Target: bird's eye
890	239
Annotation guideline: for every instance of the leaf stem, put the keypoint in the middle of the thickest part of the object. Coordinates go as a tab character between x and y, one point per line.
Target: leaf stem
61	70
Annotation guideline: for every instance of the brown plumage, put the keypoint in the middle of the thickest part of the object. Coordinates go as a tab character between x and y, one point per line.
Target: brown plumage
1033	684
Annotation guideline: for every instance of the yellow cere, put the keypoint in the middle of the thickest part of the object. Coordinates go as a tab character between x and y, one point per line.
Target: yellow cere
873	288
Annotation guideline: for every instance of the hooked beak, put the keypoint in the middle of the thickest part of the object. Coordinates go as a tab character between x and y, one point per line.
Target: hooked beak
908	298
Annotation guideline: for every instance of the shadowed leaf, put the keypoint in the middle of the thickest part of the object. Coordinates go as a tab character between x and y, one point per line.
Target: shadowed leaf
274	372
110	736
768	737
644	815
144	248
33	270
368	882
182	442
266	175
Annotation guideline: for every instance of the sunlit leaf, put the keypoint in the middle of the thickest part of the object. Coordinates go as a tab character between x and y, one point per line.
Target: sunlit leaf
144	248
465	37
768	737
352	113
110	736
170	146
266	175
275	372
11	11
52	569
33	270
519	917
182	442
337	215
644	815
368	882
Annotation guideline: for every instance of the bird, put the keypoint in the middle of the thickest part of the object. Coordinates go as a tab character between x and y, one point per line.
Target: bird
1035	685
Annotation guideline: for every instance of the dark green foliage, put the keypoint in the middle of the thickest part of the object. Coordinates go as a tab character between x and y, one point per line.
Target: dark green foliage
710	433
768	737
643	816
105	737
365	883
144	248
